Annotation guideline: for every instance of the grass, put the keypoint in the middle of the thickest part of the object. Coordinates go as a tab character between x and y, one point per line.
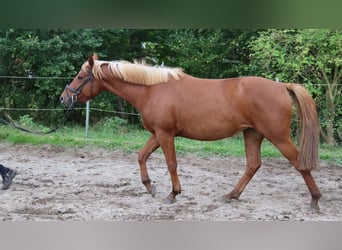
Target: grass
114	134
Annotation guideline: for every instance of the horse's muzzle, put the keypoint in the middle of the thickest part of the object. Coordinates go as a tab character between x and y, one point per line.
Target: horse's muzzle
61	99
68	101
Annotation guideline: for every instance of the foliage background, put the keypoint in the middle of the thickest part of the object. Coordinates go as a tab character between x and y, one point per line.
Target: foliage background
36	64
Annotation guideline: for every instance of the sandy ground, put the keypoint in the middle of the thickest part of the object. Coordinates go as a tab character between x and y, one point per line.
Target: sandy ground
97	185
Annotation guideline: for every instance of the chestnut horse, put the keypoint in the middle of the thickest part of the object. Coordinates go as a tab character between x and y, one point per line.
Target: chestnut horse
173	103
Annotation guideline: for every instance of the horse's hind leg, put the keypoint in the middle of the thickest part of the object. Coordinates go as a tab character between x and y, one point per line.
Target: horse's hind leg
168	146
148	149
253	141
289	150
314	190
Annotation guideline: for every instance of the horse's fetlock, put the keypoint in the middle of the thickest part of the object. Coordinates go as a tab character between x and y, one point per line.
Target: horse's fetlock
146	181
176	192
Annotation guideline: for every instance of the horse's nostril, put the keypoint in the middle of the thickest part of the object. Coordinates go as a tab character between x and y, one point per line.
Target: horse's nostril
61	99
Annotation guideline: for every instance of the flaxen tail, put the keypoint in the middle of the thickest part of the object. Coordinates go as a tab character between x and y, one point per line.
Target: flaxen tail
309	128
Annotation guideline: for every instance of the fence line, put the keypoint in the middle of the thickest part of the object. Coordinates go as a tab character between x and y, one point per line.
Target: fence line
37	77
90	109
70	78
60	109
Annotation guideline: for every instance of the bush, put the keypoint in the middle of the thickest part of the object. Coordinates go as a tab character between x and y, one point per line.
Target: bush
112	124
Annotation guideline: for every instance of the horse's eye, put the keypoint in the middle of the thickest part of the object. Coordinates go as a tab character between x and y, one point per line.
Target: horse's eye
80	77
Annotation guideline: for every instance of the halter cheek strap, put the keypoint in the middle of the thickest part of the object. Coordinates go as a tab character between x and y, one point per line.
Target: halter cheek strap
77	91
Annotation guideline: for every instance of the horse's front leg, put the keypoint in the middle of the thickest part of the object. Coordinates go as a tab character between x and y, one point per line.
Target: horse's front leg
167	144
148	149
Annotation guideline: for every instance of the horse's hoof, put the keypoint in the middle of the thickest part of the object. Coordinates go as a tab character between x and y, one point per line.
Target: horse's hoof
170	200
228	198
153	190
315	206
225	199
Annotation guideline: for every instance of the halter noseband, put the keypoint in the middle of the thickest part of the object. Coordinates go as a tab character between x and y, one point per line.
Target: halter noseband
77	91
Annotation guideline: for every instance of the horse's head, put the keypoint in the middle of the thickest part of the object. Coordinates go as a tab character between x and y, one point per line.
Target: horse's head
83	87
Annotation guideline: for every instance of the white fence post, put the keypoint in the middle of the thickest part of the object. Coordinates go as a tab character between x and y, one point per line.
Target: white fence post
87	119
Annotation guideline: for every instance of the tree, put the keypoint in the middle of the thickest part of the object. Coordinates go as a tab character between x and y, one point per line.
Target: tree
208	53
50	53
312	57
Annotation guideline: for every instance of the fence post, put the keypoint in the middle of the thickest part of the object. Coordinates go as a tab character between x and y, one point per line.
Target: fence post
87	119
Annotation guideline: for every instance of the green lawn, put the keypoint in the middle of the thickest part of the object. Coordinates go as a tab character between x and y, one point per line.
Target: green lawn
114	135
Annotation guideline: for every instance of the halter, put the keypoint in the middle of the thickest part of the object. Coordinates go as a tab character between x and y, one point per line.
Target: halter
77	91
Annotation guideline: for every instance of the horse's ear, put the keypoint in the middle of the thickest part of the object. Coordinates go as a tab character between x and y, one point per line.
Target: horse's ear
92	58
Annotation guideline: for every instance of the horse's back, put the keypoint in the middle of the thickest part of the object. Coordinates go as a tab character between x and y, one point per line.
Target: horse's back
261	91
253	102
210	109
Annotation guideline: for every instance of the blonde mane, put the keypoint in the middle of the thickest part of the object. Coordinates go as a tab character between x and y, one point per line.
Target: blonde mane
137	72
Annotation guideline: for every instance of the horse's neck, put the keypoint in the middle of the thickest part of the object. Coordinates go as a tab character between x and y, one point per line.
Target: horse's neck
132	93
